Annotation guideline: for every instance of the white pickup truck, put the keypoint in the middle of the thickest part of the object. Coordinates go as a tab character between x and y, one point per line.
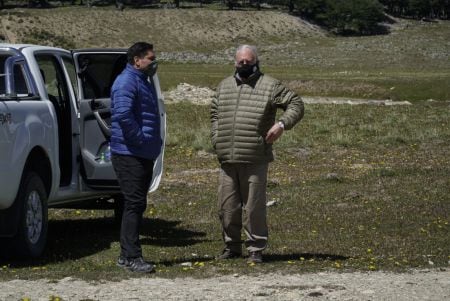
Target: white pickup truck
54	132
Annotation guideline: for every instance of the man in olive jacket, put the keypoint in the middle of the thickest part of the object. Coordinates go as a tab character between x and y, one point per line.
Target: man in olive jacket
243	129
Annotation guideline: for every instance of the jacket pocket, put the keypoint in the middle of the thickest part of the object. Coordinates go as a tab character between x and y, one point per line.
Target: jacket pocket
260	140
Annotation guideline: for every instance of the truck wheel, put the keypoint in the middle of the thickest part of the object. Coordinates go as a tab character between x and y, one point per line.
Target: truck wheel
33	217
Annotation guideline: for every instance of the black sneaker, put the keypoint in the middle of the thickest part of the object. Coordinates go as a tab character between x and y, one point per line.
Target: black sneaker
139	265
255	257
228	254
123	262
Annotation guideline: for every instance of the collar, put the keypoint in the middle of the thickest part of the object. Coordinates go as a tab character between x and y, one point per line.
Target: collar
251	81
130	68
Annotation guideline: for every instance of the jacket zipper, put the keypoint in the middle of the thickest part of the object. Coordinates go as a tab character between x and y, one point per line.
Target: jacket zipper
234	122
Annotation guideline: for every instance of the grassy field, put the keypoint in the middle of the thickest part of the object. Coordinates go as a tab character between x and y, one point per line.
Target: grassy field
356	188
388	84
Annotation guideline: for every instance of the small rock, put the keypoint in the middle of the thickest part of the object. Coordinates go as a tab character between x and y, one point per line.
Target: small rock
186	264
315	294
203	154
273	183
271	203
333	176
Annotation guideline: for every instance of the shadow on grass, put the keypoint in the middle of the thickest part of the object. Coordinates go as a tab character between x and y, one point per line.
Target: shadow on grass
164	233
269	258
169	263
75	239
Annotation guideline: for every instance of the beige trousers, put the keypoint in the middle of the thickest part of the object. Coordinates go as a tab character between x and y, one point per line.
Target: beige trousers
242	202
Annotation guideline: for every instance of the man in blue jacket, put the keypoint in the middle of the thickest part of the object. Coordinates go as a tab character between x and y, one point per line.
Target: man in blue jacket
135	144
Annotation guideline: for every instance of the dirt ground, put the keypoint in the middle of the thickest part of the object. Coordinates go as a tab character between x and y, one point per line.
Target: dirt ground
414	285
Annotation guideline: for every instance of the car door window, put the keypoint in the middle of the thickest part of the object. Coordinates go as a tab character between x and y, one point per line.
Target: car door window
21	86
98	72
20	83
70	67
53	79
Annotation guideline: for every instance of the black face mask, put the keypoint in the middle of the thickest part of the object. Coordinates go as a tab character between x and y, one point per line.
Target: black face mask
151	69
245	71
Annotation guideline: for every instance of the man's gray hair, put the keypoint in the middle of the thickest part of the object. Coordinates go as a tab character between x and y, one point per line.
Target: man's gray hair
251	47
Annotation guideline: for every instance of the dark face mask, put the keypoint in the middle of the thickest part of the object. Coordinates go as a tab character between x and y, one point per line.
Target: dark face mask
245	71
151	69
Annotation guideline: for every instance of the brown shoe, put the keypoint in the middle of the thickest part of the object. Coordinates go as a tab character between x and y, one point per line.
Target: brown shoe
255	257
228	254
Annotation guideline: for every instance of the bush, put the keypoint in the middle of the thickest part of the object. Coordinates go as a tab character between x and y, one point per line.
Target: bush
343	16
43	37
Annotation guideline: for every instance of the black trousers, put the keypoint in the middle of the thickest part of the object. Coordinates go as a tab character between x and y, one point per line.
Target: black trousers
134	175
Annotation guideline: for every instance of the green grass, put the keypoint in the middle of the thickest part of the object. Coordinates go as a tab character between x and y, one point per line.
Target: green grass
205	75
386	207
411	85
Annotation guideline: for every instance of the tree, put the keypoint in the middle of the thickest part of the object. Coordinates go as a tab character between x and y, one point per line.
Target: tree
231	4
440	8
354	16
291	6
38	3
419	8
395	7
314	9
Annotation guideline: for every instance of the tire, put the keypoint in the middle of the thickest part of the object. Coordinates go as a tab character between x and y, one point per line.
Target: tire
31	236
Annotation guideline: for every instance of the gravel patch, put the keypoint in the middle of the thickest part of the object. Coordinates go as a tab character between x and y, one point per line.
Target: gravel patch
203	96
353	101
415	285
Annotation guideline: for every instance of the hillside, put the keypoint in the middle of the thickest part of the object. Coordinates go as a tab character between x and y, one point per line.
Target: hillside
170	29
211	35
412	62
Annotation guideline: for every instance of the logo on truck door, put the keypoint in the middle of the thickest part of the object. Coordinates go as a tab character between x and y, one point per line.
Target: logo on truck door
5	118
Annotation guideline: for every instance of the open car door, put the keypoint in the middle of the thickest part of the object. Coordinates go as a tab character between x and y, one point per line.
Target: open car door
97	69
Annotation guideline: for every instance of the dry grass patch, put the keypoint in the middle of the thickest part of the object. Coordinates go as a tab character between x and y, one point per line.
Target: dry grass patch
169	29
333	87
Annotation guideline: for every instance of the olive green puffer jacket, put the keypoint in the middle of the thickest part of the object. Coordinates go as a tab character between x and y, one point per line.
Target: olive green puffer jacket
243	112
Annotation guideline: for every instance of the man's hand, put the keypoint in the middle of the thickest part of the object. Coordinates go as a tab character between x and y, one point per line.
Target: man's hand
274	133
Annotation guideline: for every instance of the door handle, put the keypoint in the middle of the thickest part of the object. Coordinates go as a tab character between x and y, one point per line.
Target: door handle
96	105
104	127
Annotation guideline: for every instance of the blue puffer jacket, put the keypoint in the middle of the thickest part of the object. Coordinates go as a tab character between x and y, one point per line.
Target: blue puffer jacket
135	121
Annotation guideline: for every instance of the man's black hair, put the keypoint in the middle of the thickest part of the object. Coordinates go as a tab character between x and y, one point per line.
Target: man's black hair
139	49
